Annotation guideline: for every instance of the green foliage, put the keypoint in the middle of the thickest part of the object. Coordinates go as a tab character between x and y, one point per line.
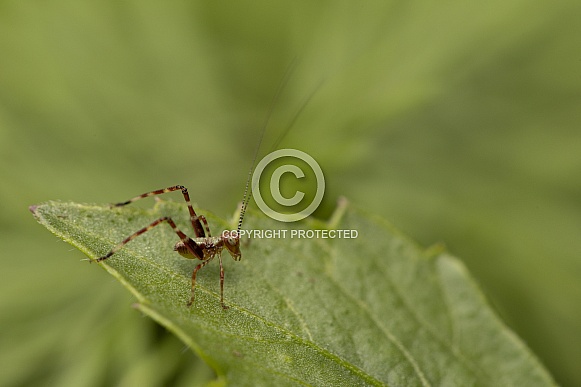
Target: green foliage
458	121
371	310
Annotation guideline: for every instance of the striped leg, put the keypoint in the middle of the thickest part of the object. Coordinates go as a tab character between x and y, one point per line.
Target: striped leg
191	302
190	244
203	219
195	219
195	272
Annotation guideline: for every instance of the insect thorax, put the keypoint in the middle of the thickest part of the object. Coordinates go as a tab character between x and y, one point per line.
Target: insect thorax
210	246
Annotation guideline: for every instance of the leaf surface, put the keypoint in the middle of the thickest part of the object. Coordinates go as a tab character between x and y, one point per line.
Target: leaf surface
374	309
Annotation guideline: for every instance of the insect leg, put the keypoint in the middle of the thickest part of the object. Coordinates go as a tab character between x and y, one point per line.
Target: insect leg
190	244
198	229
222	283
191	302
203	219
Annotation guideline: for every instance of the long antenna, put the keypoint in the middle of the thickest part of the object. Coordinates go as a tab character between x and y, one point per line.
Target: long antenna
281	86
296	116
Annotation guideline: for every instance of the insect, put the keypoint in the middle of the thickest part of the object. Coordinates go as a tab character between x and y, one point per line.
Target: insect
204	246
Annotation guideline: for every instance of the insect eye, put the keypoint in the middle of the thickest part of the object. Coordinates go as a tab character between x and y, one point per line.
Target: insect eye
231	241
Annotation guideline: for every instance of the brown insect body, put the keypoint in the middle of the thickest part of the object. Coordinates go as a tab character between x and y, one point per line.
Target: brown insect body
210	246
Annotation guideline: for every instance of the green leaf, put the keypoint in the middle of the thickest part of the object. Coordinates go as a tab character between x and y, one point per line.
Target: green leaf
370	310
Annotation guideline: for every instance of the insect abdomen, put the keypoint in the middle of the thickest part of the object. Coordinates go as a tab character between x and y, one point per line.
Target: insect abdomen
184	251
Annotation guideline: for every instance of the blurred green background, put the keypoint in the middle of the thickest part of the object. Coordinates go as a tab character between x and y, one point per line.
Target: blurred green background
458	122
